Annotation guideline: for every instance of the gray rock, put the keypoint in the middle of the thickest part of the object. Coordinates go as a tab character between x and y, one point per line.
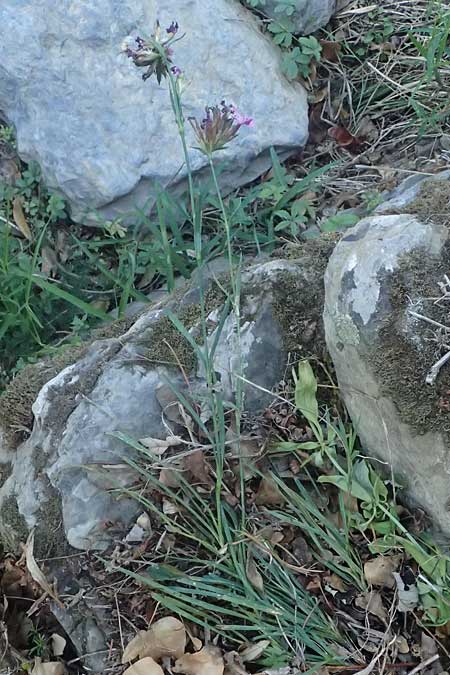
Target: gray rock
407	192
105	139
60	476
308	16
384	268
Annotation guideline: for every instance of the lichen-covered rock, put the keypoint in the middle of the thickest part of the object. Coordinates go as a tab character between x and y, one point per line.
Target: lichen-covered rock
382	285
107	140
58	479
308	15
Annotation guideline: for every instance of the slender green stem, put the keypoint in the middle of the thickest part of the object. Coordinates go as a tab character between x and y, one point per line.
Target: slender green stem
235	301
217	407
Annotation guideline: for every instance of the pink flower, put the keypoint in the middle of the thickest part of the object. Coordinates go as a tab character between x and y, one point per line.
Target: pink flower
243	120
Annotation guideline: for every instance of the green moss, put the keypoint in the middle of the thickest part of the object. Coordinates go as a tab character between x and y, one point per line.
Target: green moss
50	539
407	348
13	528
164	344
16	416
432	202
300	296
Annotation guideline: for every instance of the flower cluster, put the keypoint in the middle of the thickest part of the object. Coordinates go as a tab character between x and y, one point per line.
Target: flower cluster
220	125
155	53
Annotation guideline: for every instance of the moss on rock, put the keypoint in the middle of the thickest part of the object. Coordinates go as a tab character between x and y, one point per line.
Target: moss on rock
16	416
299	298
13	528
408	347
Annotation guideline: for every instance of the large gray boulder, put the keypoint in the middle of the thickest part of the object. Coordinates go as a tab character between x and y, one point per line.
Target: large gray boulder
308	15
387	326
58	478
105	139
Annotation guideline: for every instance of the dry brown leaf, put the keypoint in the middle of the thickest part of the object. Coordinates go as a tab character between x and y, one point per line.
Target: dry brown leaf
146	666
195	463
233	664
20	220
372	602
169	477
35	571
135	647
158	446
330	51
254	651
58	644
49	261
208	661
49	668
9	170
167	637
379	571
268	493
336	583
253	574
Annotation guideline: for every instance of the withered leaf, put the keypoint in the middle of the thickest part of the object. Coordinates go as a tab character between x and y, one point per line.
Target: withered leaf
167	637
268	493
145	666
20	219
379	571
208	661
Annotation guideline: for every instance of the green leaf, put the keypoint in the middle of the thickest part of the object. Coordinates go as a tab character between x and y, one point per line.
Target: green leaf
305	392
60	293
339	222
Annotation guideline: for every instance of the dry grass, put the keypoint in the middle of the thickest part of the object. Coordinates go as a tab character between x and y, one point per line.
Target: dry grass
384	92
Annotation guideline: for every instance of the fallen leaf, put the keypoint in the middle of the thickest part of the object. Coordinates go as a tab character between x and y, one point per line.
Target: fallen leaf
9	171
58	644
379	571
372	602
169	477
158	446
233	664
318	129
146	666
330	50
198	467
254	651
208	661
268	493
335	582
20	220
168	507
35	571
196	643
253	574
49	261
345	139
401	643
49	668
167	637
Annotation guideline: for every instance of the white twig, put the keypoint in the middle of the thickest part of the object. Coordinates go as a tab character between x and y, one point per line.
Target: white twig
434	370
424	664
428	320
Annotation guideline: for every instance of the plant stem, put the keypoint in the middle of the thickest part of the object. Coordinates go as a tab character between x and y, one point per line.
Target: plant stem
235	302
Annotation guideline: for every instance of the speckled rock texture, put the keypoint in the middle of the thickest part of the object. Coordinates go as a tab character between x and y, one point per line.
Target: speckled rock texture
58	478
382	277
308	15
105	139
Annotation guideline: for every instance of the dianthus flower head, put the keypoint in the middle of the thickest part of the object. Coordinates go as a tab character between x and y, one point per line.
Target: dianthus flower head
154	53
220	125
